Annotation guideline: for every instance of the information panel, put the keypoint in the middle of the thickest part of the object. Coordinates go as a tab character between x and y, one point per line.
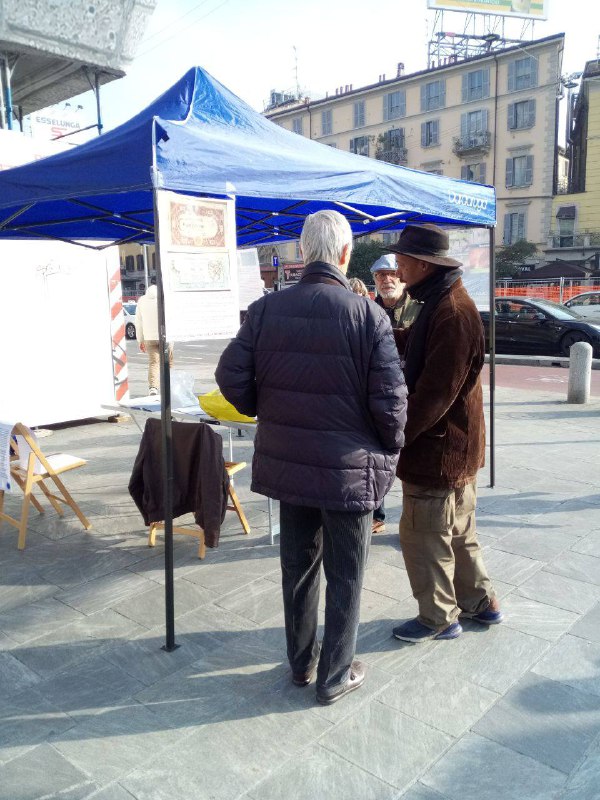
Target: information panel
198	260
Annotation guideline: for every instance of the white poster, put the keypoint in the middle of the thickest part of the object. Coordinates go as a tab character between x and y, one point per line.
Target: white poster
250	283
197	239
472	247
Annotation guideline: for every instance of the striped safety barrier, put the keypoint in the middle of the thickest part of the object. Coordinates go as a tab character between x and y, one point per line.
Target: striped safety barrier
117	332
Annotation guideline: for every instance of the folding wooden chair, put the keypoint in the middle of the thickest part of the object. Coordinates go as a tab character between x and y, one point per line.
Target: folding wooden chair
232	468
28	467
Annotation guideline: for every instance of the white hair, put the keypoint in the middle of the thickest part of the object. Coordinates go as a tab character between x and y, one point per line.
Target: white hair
324	236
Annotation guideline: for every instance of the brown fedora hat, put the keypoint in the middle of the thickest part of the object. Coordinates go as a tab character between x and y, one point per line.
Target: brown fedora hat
425	242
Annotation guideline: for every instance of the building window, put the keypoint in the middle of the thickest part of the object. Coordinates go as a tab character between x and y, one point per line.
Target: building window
430	133
297	125
326	123
473	172
473	123
140	262
476	85
519	171
433	95
566	232
522	74
359	114
394	105
514	227
521	115
297	251
360	145
129	263
389	238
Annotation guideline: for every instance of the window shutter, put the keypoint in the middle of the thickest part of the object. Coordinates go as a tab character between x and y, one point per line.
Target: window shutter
435	134
529	171
442	94
386	107
424	97
509	172
351	148
402	104
465	88
401	138
506	238
482	172
464	173
484	120
511	76
512	116
486	82
533	63
464	126
423	134
520	227
531	114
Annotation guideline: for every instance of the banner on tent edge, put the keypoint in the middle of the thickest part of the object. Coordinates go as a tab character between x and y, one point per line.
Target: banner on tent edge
197	247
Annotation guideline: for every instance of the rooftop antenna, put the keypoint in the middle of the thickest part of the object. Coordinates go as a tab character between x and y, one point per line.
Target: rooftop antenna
296	72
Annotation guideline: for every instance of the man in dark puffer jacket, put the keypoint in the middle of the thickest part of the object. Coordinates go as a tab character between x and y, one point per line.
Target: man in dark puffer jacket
318	365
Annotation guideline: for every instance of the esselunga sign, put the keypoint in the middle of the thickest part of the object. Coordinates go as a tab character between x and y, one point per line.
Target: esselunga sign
528	9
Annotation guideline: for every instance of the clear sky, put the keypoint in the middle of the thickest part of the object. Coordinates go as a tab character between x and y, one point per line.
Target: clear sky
253	46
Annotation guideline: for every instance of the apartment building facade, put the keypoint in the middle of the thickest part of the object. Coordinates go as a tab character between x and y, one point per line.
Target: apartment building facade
575	229
491	119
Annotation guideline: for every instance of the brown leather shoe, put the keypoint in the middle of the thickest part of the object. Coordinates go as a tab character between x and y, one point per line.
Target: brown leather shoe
378	526
355	681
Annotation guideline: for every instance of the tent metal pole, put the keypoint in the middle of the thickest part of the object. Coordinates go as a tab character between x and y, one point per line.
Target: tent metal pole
492	348
167	445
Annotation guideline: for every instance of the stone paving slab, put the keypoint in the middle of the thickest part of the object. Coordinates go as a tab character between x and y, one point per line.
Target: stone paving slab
93	709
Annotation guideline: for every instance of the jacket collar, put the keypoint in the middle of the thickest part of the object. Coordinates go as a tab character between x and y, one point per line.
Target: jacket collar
326	271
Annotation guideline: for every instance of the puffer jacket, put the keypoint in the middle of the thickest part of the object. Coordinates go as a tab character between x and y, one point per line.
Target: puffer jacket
318	365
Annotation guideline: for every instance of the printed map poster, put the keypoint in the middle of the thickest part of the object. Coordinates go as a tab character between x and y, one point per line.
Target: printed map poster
197	246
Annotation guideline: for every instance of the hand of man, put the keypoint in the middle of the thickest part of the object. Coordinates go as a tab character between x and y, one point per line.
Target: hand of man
143	347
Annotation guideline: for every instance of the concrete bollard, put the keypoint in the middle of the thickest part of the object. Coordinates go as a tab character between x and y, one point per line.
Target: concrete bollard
580	372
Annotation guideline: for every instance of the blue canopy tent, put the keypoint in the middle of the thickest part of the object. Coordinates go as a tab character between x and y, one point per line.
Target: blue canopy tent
200	139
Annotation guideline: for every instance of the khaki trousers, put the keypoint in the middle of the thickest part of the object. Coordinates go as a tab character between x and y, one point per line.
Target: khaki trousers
441	553
153	351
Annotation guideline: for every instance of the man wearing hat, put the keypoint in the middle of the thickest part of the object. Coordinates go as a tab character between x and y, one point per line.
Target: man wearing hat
444	442
402	312
391	294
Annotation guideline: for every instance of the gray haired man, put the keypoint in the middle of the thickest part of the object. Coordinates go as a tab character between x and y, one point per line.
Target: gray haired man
318	365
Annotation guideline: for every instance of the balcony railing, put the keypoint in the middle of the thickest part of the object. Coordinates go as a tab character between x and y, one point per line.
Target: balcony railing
473	143
585	239
393	155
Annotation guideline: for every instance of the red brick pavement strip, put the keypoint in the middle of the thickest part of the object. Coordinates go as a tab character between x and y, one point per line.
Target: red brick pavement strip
548	379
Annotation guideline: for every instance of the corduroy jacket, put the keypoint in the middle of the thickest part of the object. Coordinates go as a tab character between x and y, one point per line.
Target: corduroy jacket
318	366
445	428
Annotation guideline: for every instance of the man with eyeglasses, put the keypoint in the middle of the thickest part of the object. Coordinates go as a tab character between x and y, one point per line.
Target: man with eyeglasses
402	312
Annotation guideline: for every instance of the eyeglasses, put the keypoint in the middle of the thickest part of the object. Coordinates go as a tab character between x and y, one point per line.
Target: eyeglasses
379	276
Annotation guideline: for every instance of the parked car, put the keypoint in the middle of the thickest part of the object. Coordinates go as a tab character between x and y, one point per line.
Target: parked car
586	305
129	310
532	327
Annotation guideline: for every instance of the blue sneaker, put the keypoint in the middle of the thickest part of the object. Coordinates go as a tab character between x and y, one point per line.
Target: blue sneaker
415	631
487	617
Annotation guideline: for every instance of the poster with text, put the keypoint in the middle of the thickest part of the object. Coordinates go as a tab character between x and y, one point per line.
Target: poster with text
471	246
197	245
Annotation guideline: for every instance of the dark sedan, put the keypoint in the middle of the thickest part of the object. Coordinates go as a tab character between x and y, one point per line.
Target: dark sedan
530	326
